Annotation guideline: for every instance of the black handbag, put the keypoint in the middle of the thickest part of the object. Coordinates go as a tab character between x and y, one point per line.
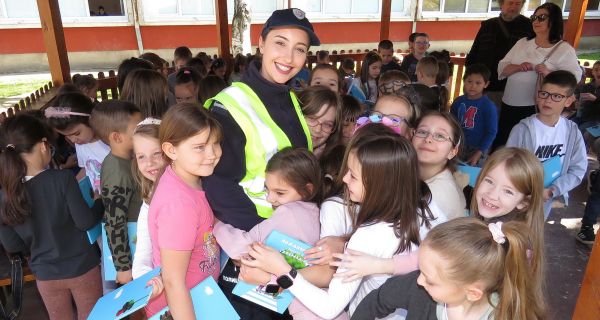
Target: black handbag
16	277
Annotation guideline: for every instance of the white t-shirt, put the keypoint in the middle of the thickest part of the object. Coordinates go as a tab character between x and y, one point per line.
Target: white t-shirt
550	141
90	157
334	217
447	194
142	258
378	240
520	86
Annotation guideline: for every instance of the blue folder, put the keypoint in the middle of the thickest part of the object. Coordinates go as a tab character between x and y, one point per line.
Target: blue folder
293	251
552	169
125	300
209	303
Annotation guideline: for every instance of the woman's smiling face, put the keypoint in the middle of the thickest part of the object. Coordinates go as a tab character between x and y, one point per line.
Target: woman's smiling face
283	53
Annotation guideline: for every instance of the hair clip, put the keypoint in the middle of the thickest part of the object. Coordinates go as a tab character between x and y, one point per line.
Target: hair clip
147	121
58	112
497	234
10	146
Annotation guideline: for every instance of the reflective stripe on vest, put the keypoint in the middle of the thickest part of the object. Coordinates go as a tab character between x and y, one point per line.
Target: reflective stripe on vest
264	138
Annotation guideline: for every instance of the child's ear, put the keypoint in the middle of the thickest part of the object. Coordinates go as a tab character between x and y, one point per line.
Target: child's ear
169	150
310	188
486	84
114	137
261	44
475	292
570	100
524	204
453	152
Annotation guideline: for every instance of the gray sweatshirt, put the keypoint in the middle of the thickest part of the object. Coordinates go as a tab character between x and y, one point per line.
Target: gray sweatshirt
575	160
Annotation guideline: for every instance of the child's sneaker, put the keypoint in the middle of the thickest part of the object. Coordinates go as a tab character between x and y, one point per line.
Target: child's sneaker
586	235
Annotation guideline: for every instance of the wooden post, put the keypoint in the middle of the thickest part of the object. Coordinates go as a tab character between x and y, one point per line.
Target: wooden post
54	39
588	302
386	9
575	22
222	29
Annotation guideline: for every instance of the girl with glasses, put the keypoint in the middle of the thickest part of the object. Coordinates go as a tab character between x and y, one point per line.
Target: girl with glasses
321	108
437	139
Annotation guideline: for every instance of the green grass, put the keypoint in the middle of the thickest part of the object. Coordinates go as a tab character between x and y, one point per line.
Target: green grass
590	56
10	89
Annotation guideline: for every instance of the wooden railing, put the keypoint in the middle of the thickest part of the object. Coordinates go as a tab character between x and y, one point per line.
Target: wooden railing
107	86
35	100
456	75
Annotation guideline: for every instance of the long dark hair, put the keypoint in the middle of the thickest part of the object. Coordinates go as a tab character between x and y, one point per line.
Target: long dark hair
298	167
370	58
555	21
18	135
386	158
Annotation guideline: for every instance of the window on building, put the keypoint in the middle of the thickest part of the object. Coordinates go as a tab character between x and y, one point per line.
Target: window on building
26	11
328	9
466	8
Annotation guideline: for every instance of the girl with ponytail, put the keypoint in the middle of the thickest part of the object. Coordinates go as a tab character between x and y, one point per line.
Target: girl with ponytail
468	270
43	212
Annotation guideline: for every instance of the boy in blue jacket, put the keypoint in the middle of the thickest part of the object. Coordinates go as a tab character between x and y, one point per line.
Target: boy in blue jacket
476	114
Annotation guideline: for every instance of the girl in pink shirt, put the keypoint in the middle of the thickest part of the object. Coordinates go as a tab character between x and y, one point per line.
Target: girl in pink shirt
180	220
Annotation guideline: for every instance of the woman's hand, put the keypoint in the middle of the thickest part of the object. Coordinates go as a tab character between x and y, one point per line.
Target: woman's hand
157	286
541	69
358	264
587	97
511	69
322	252
526	66
254	275
267	259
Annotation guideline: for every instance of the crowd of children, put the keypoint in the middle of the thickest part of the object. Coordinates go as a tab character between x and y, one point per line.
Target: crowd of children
371	188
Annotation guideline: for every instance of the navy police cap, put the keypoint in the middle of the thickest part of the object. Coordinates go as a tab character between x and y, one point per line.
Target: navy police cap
292	17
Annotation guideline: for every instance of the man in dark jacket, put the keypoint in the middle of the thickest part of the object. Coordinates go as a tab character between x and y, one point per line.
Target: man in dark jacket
495	38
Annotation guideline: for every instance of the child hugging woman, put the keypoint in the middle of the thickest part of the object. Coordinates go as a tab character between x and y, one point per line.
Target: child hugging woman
468	270
389	218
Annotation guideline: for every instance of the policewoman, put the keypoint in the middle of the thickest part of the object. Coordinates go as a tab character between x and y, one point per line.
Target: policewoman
260	115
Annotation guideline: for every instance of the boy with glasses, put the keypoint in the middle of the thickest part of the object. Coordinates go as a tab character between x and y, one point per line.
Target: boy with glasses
409	63
547	135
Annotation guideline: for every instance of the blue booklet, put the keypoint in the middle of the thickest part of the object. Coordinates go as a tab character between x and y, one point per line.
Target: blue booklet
86	190
125	300
472	172
209	303
110	273
88	195
552	169
594	131
293	251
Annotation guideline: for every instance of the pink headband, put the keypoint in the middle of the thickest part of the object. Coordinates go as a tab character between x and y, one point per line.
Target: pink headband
58	112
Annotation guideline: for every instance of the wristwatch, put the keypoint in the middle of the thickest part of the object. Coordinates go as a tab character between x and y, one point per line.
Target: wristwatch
272	287
287	280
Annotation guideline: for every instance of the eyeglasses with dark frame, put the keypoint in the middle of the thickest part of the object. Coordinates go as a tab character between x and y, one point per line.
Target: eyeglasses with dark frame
326	127
556	97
